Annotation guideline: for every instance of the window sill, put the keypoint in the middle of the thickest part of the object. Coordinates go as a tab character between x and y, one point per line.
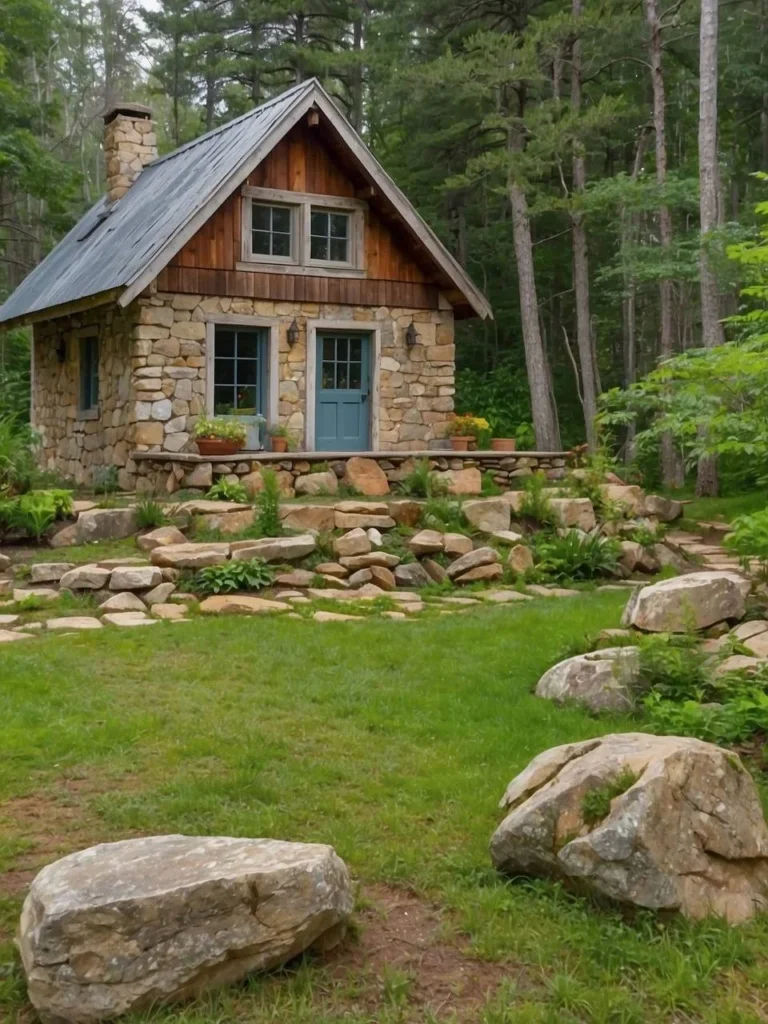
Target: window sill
88	414
301	271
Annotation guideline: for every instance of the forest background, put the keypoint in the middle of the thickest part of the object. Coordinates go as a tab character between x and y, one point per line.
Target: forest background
553	144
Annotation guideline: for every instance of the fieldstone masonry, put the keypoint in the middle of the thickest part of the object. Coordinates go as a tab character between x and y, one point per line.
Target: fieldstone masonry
130	143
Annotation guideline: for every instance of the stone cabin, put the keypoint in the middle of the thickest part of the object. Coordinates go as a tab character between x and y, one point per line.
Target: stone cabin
270	267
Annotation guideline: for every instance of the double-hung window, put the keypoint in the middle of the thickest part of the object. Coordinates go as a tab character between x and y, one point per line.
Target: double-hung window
309	232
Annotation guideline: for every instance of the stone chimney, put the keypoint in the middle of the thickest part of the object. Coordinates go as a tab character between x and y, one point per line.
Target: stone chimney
130	144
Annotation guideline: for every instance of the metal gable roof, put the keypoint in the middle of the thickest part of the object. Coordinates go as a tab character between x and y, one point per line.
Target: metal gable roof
124	245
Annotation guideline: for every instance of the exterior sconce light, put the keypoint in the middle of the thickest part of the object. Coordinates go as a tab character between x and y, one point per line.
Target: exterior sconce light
292	334
61	351
411	335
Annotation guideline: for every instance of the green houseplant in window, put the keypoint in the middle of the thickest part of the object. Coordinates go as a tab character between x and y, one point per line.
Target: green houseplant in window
219	436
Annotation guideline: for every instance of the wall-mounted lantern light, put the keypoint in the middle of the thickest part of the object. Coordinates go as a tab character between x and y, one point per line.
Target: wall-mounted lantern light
411	335
292	334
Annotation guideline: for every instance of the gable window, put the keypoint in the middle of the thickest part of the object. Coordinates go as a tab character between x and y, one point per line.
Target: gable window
329	236
271	231
310	233
89	374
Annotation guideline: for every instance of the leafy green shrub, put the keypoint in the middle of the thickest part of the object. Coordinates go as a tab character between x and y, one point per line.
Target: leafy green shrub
749	537
424	482
676	668
488	487
268	506
645	536
150	514
222	579
445	515
535	504
734	720
32	513
576	556
228	490
18	448
596	804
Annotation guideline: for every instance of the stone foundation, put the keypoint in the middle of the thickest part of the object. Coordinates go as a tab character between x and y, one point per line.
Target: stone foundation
168	474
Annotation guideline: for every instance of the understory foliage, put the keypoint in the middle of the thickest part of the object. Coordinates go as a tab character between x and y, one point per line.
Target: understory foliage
444	514
18	449
687	698
575	556
228	490
535	504
724	388
254	574
423	482
30	514
749	537
268	522
150	513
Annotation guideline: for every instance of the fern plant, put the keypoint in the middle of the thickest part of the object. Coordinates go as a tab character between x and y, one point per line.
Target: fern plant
577	556
535	504
254	574
424	482
444	515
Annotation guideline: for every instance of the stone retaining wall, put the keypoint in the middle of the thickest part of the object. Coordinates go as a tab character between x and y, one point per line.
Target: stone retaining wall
161	473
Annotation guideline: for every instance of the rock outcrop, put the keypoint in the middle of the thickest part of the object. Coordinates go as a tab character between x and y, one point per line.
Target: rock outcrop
122	926
605	680
661	822
695	601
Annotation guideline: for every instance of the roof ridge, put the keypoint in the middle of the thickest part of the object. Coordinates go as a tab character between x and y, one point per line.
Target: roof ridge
235	120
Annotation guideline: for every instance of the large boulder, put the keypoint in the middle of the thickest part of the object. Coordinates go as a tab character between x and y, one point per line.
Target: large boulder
365	476
160	538
426	542
630	498
462	481
573	512
140	577
124	926
695	601
665	509
661	822
317	483
605	680
488	514
274	549
356	542
307	517
85	577
412	574
105	524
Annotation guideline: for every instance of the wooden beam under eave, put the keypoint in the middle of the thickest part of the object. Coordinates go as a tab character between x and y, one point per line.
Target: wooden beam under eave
65	309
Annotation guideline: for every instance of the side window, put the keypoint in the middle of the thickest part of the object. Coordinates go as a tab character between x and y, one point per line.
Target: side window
89	374
271	231
329	236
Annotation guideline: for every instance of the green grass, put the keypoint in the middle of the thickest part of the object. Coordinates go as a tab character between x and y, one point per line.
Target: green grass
392	741
724	509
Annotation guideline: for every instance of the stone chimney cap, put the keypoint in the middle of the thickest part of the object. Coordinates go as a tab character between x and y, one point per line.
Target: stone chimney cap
129	110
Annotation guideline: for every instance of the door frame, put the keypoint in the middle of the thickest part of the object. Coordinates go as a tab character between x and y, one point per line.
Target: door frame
369	327
215	320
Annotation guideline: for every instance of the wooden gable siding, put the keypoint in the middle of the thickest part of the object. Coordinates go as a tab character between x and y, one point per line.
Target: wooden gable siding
301	162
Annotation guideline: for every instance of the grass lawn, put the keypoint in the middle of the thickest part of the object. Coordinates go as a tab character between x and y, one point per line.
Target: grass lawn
723	509
394	742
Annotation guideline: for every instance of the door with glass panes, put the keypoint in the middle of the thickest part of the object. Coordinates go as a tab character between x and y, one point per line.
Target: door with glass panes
343	414
240	378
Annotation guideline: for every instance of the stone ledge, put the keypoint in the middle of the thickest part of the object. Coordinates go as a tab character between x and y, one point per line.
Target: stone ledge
400	456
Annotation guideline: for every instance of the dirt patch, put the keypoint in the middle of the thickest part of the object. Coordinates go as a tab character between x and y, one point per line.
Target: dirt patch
54	822
406	957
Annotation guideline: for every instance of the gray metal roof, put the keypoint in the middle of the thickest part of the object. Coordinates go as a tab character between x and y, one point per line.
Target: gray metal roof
117	249
102	253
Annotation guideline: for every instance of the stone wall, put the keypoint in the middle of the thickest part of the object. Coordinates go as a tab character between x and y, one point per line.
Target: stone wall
168	474
74	445
416	385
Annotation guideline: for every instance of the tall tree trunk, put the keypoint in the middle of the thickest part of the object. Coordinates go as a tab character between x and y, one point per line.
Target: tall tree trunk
671	466
356	77
711	328
587	356
543	407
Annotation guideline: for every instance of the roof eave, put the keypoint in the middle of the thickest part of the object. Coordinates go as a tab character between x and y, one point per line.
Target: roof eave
36	316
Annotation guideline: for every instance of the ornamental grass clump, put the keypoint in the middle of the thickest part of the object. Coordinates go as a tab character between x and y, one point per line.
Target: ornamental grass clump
424	482
268	522
576	556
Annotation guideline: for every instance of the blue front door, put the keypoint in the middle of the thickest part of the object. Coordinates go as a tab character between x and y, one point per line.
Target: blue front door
343	392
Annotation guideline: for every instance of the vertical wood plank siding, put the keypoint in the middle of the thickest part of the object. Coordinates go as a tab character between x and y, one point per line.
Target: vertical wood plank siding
301	162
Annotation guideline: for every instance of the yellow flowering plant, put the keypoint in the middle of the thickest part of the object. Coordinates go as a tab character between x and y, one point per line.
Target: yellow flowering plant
467	425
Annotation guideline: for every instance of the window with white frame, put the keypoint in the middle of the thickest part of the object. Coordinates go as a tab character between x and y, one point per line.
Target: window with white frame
310	232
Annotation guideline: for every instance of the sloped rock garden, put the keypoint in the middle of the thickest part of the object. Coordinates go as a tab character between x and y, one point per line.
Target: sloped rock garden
338	554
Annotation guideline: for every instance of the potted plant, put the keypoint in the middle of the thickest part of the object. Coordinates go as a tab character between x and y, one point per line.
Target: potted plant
464	430
219	436
280	437
503	444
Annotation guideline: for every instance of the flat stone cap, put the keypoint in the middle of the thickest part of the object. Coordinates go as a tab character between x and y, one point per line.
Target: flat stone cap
129	110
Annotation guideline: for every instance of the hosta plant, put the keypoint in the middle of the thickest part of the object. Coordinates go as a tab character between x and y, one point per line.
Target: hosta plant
228	490
230	576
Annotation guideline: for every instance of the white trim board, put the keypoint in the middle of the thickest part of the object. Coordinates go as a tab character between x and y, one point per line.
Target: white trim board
273	359
372	327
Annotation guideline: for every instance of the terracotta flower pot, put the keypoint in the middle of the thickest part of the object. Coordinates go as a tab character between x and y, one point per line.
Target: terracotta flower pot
503	444
212	447
279	444
460	443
